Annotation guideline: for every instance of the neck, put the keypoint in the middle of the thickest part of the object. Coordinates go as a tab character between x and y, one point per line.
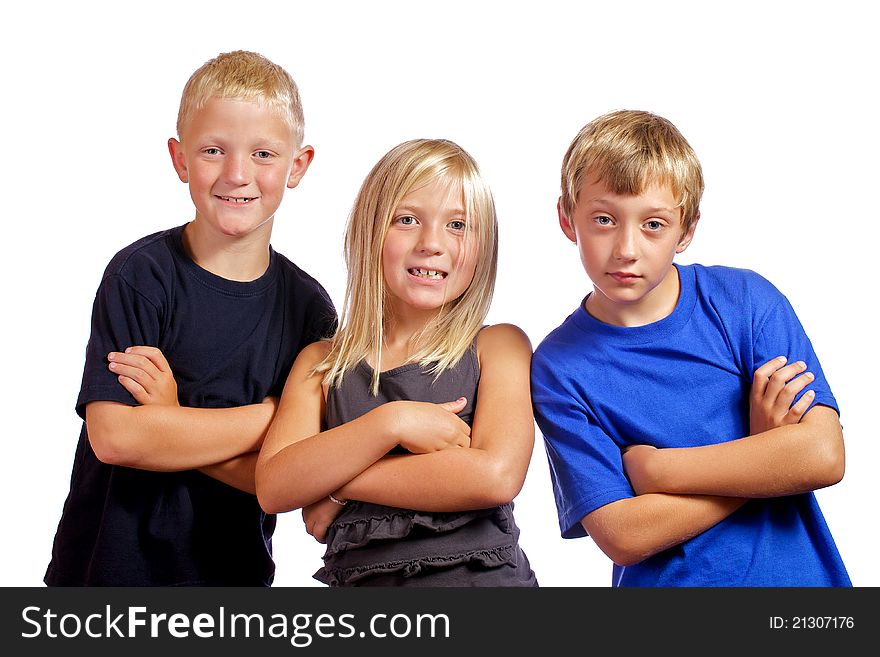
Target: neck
244	258
402	336
657	305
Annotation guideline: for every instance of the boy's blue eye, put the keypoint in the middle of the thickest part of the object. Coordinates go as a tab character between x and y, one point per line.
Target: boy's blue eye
654	225
263	155
602	220
212	151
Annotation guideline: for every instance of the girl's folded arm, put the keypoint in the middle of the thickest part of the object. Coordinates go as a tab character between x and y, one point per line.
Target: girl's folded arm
299	463
493	469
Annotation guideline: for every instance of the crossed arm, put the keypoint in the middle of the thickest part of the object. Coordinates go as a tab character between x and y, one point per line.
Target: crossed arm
493	469
451	466
163	436
681	492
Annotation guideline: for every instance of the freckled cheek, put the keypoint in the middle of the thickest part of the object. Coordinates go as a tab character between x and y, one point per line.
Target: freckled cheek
200	181
272	183
392	255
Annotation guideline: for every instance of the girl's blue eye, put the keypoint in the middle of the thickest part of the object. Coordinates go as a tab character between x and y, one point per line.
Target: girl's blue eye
406	221
457	225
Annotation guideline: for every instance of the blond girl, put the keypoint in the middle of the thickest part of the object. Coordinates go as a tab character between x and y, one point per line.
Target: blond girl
405	437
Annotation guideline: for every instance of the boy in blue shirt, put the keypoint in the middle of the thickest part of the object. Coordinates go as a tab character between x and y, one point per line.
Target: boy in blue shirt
162	489
673	401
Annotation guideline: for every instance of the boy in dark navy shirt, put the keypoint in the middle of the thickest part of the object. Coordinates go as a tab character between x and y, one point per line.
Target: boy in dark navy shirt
162	489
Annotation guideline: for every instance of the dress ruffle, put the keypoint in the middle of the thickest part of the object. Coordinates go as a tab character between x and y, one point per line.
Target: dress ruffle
370	541
410	568
366	523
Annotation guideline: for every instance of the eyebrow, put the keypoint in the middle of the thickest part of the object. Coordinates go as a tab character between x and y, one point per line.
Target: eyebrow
604	201
262	143
458	211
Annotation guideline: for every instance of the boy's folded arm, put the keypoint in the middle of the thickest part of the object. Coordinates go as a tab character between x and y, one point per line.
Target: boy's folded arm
492	471
170	438
786	460
633	529
237	472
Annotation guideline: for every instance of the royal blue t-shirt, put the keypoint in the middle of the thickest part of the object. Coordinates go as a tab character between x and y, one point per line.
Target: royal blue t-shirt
229	344
683	381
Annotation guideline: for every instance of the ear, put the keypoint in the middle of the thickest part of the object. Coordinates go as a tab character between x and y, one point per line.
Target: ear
178	159
565	223
301	163
685	240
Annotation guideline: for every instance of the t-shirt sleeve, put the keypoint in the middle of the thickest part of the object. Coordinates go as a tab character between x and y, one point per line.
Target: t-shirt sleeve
780	333
586	468
121	318
323	319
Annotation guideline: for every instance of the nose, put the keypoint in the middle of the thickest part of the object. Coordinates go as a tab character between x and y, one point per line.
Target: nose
237	169
430	240
626	244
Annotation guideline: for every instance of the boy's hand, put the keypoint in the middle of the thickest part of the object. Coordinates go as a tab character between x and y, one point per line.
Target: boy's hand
318	517
145	373
422	427
774	387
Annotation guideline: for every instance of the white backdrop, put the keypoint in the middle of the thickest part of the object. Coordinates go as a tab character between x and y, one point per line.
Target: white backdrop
775	97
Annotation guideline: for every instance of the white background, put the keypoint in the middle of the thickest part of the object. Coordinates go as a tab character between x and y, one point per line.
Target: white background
777	98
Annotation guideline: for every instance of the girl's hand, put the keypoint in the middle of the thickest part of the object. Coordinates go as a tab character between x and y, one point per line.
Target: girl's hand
318	517
145	373
422	427
774	387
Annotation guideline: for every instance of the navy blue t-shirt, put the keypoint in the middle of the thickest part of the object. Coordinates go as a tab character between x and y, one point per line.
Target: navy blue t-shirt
229	344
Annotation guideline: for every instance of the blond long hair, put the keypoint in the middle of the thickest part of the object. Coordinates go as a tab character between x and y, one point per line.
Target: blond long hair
405	168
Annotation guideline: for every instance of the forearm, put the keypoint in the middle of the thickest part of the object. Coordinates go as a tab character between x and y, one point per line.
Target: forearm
444	481
304	471
633	529
169	438
237	472
783	461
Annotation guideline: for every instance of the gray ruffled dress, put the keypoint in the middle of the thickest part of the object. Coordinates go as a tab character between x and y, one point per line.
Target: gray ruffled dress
375	545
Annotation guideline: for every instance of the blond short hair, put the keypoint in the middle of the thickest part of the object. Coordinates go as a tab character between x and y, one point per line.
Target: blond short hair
405	168
243	75
628	150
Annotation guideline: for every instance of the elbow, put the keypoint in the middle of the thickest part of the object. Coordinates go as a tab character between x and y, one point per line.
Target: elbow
824	456
503	483
622	553
626	558
266	497
269	502
831	464
111	441
828	460
622	541
270	497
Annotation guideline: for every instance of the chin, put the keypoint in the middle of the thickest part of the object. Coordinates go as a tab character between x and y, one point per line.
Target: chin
241	229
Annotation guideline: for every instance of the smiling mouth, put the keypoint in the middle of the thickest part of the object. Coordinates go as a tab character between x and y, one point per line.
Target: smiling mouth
431	274
239	200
